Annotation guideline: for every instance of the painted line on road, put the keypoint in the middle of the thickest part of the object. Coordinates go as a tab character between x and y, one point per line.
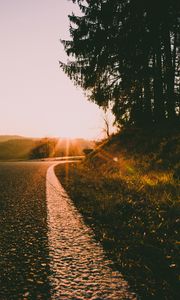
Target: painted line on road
79	269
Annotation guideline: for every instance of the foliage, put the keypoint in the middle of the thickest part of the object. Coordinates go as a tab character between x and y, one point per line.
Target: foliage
87	151
44	148
133	208
126	54
72	147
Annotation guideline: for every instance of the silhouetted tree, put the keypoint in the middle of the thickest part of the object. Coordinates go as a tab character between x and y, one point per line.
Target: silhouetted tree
127	53
44	148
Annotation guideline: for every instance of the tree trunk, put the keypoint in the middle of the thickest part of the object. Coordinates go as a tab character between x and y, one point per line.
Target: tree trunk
147	99
169	74
159	107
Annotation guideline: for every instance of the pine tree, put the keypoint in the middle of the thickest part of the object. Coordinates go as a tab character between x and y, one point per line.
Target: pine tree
126	54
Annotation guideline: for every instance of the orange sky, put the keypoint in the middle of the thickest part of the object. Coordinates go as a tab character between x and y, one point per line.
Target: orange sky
36	97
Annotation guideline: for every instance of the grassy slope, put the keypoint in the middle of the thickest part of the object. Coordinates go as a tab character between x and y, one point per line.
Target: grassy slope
16	148
128	192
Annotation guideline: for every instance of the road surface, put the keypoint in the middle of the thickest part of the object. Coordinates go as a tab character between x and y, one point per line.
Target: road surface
46	251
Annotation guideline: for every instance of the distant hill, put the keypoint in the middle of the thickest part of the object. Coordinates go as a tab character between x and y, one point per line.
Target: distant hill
14	147
5	138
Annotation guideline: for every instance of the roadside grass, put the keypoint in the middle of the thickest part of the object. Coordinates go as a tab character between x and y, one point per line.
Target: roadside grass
134	211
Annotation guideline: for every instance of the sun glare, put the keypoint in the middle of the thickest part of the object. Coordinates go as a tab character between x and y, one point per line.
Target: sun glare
37	99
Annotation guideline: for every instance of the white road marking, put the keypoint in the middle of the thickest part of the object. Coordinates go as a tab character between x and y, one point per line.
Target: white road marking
79	269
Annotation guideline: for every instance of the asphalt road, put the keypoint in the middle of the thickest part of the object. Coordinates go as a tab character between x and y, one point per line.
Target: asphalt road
24	266
46	250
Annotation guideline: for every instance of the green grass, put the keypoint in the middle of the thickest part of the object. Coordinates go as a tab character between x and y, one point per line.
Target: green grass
133	209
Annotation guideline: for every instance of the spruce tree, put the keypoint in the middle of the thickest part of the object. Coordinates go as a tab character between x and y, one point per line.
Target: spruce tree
126	54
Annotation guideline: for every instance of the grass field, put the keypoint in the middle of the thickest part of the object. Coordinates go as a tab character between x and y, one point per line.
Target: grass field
128	192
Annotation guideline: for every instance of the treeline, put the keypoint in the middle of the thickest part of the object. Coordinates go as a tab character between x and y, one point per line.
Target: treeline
53	147
43	148
126	55
21	148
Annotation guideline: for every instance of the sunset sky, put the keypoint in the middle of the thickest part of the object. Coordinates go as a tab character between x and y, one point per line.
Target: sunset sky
36	97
